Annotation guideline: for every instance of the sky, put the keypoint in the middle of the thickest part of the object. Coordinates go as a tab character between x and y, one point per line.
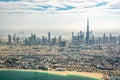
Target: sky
59	16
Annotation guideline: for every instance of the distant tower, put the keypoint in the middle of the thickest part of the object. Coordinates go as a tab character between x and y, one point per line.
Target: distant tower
59	38
99	42
110	38
14	39
72	34
9	40
54	41
114	40
104	38
119	41
87	33
49	37
34	37
42	38
93	40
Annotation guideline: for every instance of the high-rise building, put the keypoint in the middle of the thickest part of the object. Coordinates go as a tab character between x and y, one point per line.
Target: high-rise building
54	41
32	39
17	40
43	39
72	37
72	34
49	37
81	37
14	39
99	43
114	40
9	40
104	38
93	41
119	41
78	35
87	33
111	39
62	43
81	34
59	38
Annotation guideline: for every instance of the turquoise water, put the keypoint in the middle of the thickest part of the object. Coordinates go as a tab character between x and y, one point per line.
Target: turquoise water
113	77
29	75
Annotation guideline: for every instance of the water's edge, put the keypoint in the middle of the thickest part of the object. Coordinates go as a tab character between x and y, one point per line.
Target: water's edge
33	75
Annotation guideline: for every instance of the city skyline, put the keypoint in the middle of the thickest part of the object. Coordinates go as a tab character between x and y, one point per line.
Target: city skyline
66	37
59	16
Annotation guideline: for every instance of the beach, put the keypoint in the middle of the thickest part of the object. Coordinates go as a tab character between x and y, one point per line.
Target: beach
86	74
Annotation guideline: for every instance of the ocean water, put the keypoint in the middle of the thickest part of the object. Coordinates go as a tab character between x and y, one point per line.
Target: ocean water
113	77
29	75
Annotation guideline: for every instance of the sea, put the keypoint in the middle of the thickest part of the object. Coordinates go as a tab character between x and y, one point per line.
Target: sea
114	77
33	75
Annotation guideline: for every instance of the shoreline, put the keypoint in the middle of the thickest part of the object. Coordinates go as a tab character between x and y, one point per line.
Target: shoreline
85	74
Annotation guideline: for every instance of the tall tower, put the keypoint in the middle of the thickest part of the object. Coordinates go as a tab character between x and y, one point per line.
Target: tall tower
87	33
9	40
14	39
104	38
49	37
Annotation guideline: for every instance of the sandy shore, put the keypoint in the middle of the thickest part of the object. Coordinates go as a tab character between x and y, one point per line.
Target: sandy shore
87	74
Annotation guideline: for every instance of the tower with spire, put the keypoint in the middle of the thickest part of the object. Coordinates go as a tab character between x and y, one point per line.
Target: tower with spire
87	33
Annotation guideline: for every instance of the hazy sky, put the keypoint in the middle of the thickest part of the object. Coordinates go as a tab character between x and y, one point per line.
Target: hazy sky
60	16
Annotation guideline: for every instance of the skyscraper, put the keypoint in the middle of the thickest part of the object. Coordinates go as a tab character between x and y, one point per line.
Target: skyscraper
87	33
99	43
49	37
104	38
9	40
110	38
72	37
93	40
14	39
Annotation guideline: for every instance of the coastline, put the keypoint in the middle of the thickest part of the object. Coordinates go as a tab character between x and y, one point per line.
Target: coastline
85	74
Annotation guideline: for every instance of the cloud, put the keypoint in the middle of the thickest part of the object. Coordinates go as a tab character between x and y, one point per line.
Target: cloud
58	6
115	5
101	4
65	8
